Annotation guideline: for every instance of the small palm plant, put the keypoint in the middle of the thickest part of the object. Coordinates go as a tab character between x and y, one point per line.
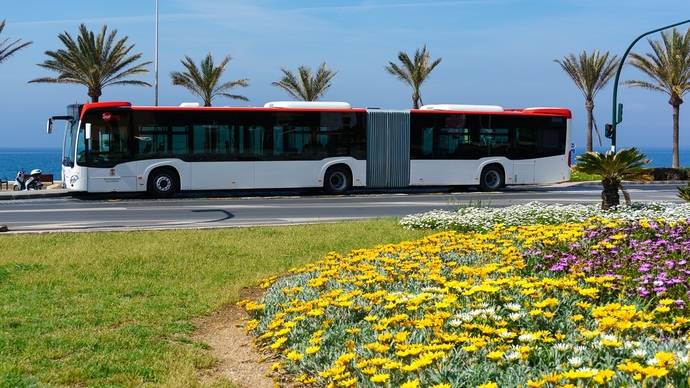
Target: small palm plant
626	164
414	71
95	61
684	193
590	72
305	86
668	66
10	47
204	81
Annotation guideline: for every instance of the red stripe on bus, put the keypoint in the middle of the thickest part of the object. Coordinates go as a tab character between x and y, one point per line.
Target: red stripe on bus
556	112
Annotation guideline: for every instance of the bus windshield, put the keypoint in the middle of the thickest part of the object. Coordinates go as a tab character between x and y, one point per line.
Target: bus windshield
71	129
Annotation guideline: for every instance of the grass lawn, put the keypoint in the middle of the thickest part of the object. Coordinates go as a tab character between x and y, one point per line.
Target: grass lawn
117	308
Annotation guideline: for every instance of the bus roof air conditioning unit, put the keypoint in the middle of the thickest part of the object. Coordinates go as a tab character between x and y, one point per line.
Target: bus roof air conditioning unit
308	105
464	108
190	105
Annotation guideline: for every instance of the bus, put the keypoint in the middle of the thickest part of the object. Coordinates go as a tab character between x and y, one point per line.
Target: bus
119	147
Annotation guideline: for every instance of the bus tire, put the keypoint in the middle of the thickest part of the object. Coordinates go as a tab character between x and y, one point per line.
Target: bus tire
163	182
492	178
337	180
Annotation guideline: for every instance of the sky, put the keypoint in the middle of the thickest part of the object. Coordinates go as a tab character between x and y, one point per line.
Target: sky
497	52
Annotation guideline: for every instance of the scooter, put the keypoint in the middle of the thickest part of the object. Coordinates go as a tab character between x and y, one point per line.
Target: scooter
31	181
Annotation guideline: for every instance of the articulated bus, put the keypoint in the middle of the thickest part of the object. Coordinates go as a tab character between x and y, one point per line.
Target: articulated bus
118	147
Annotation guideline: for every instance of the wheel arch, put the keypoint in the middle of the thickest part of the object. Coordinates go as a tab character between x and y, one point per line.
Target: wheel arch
334	163
178	168
162	166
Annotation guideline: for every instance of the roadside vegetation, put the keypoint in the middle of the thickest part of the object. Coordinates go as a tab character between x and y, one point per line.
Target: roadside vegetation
306	86
204	80
414	71
9	46
601	302
590	72
94	60
99	309
578	176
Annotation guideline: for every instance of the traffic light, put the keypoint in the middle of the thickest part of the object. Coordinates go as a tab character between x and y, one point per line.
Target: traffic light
608	131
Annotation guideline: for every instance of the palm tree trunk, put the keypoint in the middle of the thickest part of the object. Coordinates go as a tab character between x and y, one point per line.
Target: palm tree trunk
589	106
676	117
95	94
609	195
415	100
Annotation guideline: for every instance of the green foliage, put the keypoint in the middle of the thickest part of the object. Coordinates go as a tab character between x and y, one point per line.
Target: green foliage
668	65
684	192
105	309
305	86
95	61
414	71
10	47
204	81
589	71
578	176
626	164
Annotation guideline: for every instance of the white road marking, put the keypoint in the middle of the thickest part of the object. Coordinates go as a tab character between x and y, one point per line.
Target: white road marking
71	210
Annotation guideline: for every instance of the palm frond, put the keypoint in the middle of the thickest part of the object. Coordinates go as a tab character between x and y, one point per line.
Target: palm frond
10	47
95	61
413	71
204	80
304	85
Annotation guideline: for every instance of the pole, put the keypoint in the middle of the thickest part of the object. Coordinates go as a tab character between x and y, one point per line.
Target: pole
614	116
156	57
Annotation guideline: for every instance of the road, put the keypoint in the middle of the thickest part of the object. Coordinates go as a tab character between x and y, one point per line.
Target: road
70	214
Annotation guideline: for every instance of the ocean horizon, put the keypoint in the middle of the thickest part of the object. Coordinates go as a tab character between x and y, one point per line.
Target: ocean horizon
49	159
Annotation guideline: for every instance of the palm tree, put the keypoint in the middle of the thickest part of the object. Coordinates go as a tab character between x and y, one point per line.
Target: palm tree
668	65
590	72
204	81
626	164
414	72
95	61
305	86
10	47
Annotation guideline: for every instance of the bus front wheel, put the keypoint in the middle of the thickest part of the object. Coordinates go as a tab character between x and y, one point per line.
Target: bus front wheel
163	183
492	178
337	180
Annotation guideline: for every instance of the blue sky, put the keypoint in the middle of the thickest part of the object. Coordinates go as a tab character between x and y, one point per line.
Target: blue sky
494	52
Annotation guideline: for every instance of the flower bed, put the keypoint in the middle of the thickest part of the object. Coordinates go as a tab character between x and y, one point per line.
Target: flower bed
507	307
535	213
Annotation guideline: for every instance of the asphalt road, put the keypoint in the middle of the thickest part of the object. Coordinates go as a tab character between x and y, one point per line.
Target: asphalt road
71	214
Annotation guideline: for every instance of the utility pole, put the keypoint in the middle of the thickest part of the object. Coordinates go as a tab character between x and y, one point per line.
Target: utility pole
156	56
617	116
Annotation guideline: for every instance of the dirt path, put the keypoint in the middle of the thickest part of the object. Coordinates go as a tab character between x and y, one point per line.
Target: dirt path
239	360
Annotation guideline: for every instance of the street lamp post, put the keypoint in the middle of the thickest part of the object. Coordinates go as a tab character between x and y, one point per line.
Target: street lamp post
617	116
156	58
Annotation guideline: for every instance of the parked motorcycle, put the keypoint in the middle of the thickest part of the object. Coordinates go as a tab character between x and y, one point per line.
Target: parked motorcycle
29	181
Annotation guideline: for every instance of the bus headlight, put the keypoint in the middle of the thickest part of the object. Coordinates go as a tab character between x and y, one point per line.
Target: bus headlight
73	179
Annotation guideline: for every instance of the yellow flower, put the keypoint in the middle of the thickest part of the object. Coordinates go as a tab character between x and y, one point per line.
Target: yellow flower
488	385
410	384
294	356
312	349
380	378
495	355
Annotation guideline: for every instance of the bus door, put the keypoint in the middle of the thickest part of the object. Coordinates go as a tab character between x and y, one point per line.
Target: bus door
108	152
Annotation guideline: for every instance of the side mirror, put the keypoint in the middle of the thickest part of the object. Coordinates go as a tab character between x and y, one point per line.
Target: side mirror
87	131
49	126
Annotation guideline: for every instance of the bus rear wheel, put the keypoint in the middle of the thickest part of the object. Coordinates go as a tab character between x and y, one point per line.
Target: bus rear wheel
337	180
163	183
492	178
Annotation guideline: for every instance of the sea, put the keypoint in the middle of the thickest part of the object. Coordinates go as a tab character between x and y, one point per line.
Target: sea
48	159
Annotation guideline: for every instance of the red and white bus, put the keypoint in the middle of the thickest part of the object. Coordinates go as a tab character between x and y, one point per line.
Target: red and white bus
118	147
